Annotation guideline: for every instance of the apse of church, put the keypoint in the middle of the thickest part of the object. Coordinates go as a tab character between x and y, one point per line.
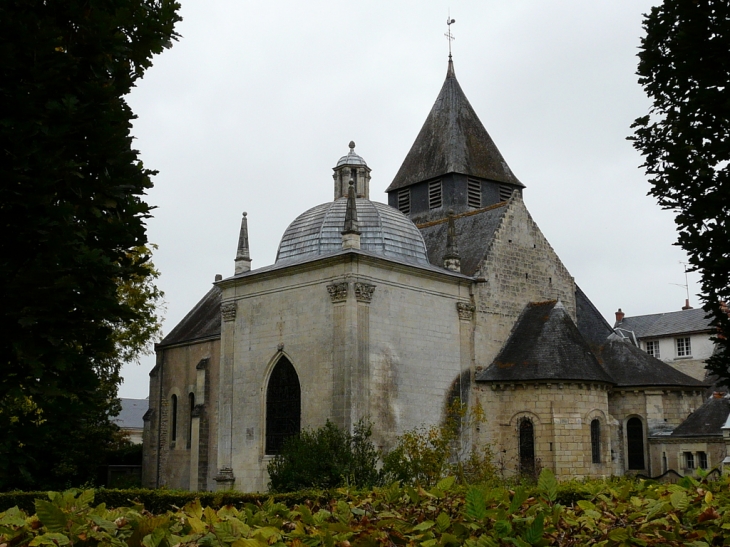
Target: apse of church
389	311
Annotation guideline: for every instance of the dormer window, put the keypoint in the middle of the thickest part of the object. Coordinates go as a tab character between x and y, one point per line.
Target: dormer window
474	193
404	200
434	194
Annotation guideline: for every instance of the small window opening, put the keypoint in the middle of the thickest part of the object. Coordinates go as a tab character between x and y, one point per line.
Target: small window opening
173	420
683	347
505	192
652	348
434	194
527	447
689	460
191	397
664	462
635	443
404	200
474	193
596	441
702	460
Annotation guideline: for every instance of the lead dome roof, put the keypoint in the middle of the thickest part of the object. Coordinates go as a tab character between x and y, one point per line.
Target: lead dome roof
383	230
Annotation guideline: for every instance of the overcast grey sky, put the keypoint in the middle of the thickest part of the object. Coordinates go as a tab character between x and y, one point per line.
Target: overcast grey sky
251	109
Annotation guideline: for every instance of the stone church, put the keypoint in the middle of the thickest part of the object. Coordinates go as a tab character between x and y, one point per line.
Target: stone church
390	311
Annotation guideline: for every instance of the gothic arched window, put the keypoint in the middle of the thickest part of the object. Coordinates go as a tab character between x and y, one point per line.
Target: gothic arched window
527	447
635	443
595	441
283	405
173	420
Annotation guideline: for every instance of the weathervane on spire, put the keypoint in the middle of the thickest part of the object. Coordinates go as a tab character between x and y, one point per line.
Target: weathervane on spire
449	36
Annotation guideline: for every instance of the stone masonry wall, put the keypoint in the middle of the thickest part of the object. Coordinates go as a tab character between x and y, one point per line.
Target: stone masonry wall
561	415
177	373
520	267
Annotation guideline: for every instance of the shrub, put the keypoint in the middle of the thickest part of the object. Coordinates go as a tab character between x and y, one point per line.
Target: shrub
324	458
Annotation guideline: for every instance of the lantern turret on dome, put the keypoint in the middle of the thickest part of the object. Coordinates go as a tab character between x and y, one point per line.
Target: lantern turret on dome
352	166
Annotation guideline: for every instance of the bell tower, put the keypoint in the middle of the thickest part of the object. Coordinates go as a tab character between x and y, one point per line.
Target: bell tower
352	167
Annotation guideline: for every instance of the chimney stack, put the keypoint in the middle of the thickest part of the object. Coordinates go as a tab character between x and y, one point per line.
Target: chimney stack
619	316
686	305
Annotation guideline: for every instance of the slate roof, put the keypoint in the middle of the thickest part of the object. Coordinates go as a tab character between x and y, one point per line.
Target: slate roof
131	414
203	321
452	140
545	345
630	366
667	324
474	233
383	230
591	324
706	421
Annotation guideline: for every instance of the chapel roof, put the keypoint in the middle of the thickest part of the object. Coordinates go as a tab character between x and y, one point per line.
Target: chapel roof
474	233
452	140
545	345
630	366
203	321
383	230
706	421
667	324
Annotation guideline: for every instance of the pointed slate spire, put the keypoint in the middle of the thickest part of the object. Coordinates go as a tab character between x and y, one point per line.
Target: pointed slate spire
452	140
351	232
243	258
452	260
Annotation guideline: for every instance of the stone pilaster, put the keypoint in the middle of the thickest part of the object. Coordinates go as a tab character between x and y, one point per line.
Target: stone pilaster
225	478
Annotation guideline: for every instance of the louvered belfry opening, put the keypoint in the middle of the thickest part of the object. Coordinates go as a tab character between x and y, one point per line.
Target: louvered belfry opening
635	443
527	447
283	406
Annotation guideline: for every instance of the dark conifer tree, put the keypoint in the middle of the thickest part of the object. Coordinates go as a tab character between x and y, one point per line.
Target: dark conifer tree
684	66
72	212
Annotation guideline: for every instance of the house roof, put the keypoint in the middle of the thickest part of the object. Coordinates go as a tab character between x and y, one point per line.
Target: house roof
706	421
545	345
452	140
667	324
130	417
474	233
203	321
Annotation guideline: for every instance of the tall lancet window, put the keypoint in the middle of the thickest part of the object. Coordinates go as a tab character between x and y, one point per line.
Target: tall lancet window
173	418
527	447
283	406
635	443
595	441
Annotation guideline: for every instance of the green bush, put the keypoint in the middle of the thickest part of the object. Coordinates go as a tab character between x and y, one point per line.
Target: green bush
324	458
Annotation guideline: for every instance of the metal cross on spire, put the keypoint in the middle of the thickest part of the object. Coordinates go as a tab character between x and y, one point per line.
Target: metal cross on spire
449	36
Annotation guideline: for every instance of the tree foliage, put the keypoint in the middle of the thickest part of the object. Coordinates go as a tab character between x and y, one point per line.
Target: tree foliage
72	214
327	457
684	66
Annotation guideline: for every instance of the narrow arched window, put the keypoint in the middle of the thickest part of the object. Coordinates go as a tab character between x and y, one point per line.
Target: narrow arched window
635	443
527	447
596	441
173	418
191	398
283	405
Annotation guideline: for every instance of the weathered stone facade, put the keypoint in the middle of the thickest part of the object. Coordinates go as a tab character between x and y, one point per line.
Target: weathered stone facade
366	315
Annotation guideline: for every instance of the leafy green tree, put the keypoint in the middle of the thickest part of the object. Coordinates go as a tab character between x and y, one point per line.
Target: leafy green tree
684	66
325	458
72	218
